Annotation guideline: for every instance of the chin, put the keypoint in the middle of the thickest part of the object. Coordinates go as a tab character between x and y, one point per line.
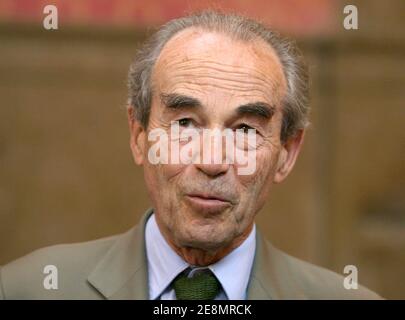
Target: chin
205	244
207	237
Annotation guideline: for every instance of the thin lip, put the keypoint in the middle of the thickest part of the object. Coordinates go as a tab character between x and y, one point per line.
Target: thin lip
206	196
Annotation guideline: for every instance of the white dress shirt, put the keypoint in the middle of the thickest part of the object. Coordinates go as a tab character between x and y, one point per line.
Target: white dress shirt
164	265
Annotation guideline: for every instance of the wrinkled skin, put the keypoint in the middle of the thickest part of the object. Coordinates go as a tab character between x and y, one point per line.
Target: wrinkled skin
222	74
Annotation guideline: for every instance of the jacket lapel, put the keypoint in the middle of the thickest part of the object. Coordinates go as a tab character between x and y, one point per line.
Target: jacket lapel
122	272
260	286
270	277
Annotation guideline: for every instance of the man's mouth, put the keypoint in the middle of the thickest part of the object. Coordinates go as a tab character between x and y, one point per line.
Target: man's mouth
209	203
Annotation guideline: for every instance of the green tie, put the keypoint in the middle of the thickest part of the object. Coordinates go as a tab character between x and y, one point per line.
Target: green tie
202	286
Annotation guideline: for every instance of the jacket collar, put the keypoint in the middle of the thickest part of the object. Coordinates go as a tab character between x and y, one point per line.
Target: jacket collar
122	273
262	284
271	277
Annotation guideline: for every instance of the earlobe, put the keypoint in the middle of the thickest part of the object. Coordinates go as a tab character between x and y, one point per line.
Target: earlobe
282	167
288	156
137	142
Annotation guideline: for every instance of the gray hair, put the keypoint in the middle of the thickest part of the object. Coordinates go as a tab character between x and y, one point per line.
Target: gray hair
295	103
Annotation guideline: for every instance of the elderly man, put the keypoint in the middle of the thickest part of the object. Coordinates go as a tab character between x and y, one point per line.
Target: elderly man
215	72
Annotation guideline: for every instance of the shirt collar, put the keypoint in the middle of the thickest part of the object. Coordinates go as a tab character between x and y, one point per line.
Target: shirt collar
233	270
164	264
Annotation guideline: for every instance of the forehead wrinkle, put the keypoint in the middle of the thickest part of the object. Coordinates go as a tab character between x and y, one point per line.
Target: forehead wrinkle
200	78
200	70
204	88
201	67
192	63
222	81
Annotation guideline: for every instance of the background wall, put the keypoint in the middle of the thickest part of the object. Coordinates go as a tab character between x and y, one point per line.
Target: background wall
66	172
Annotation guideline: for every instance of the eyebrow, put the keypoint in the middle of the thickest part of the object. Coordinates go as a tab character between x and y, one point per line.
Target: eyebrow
178	101
261	109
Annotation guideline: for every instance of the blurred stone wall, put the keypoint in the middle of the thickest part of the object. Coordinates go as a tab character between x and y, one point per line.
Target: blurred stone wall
67	175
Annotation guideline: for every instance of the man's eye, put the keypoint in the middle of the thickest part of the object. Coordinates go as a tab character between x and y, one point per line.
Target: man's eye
244	128
185	122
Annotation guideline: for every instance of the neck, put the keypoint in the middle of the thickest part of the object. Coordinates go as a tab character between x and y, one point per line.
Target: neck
202	257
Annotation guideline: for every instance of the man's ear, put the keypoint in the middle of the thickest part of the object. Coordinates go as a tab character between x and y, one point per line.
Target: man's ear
137	137
288	155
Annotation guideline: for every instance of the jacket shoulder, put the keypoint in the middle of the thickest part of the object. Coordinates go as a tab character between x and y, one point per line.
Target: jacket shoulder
314	282
69	263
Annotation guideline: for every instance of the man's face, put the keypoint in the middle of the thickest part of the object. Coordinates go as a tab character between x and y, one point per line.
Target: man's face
214	82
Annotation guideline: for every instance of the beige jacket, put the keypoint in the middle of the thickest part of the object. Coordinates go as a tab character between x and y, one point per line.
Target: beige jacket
116	268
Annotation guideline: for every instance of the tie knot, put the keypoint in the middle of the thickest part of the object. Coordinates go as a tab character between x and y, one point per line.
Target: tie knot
201	286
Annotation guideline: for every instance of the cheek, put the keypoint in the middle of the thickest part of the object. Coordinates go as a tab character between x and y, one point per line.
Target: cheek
162	178
169	172
257	184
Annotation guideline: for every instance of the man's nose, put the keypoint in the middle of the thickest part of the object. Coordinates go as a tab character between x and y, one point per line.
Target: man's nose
213	157
213	169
